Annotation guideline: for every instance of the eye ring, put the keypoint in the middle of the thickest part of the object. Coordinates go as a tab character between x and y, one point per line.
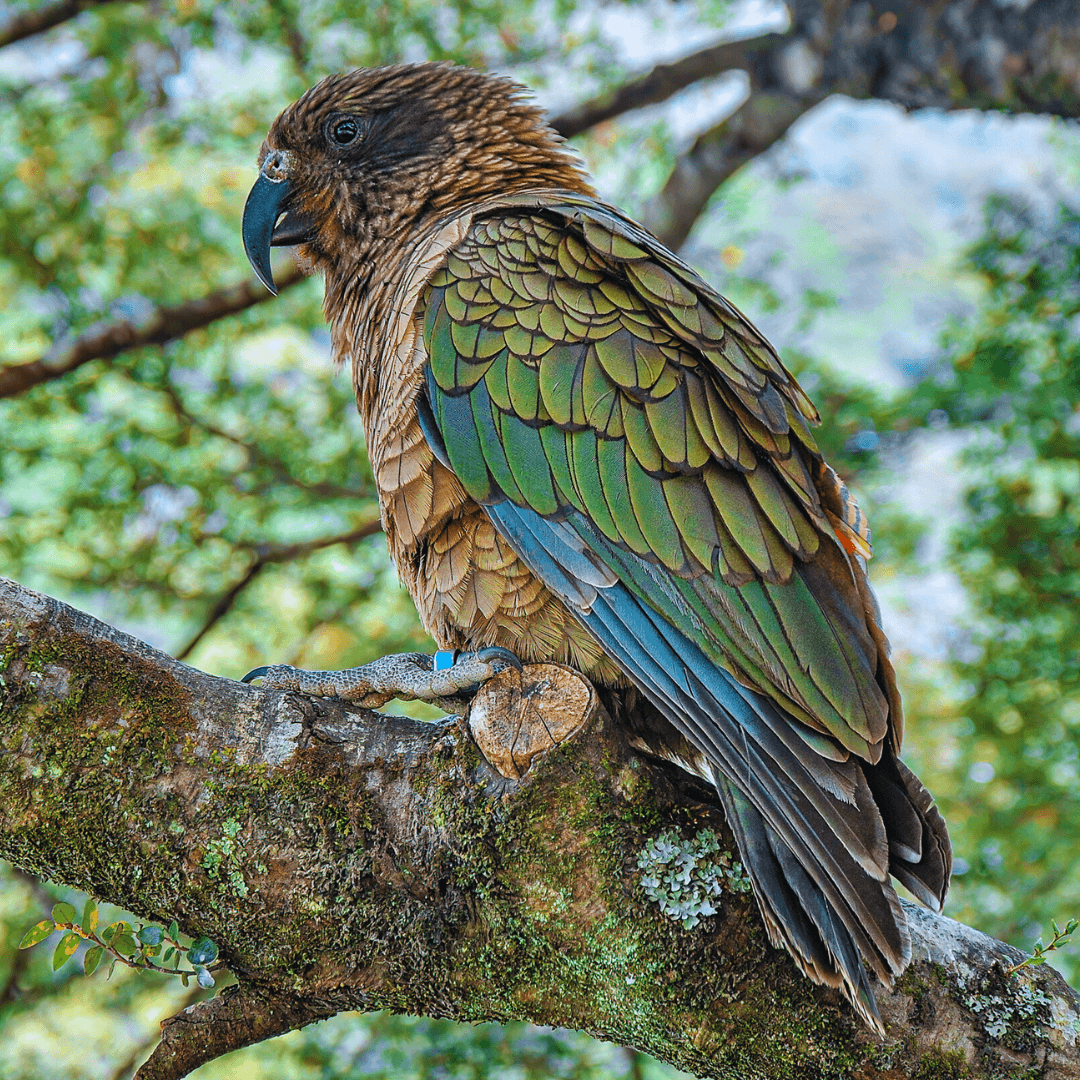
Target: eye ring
343	130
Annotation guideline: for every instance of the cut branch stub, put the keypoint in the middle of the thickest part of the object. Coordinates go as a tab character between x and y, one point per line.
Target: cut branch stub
517	716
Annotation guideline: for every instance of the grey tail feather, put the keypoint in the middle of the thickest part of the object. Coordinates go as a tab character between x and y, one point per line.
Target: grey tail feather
802	919
920	853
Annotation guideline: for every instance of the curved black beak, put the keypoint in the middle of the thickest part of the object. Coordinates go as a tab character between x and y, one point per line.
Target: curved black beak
262	230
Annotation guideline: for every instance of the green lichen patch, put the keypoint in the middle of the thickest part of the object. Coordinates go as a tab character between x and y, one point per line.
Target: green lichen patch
1010	1009
685	877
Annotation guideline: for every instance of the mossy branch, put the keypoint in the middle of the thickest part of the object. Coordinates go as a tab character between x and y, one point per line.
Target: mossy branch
346	860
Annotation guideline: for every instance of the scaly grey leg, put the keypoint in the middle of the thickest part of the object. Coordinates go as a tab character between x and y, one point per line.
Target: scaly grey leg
441	679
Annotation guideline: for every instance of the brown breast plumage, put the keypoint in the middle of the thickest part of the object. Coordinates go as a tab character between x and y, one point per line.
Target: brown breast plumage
470	588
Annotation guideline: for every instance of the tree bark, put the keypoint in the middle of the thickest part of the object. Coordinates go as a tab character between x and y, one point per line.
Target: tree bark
980	54
342	859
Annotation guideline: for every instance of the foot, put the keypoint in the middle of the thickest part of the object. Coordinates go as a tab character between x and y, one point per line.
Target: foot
443	679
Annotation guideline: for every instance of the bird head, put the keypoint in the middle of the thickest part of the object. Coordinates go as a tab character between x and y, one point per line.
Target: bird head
372	156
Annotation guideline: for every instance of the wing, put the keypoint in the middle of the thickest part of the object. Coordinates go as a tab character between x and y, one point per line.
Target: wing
648	456
668	425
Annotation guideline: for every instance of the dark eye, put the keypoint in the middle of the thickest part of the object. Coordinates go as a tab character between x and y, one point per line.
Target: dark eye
344	131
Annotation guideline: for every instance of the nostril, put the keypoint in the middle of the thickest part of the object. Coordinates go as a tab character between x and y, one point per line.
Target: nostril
275	166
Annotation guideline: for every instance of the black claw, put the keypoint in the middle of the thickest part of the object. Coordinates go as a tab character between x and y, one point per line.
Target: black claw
255	673
497	652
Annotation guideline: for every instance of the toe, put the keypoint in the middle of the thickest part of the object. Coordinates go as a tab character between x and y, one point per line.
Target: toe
499	658
275	677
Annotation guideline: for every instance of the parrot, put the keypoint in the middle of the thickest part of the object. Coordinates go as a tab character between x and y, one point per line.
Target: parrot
584	454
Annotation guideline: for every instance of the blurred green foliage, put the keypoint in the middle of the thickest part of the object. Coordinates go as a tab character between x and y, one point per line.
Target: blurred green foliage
1012	389
150	488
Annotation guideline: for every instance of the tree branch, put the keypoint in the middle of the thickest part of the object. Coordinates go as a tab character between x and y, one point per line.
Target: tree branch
961	54
762	120
107	340
126	1068
210	1029
38	20
379	862
265	554
666	80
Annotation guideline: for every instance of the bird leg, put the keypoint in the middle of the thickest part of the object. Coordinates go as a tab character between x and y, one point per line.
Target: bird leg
443	679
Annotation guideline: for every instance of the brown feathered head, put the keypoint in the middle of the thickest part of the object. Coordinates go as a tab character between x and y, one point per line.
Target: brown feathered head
371	156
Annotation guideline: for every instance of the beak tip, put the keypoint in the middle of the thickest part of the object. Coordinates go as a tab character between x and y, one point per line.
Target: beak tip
260	215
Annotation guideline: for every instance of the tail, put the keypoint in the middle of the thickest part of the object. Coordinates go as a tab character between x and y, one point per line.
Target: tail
819	829
831	924
819	837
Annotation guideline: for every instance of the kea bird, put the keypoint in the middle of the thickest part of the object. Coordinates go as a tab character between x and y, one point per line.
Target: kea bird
585	454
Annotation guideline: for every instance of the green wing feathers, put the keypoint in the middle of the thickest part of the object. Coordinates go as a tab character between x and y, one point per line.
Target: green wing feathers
594	372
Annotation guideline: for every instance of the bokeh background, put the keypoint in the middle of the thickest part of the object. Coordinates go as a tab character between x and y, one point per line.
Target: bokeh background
919	270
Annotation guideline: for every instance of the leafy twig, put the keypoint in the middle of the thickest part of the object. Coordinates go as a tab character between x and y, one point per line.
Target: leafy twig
1038	954
126	945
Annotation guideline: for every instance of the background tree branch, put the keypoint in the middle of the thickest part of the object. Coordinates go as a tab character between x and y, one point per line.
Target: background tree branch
666	80
265	554
44	17
378	862
983	55
168	322
752	129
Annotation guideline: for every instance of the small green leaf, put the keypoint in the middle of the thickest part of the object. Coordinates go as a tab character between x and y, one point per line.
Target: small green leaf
185	977
124	944
170	952
206	980
65	949
92	959
112	968
63	913
37	933
90	916
113	929
202	952
151	935
174	930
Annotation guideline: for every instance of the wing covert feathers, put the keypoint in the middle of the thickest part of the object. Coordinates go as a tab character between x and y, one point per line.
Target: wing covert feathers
644	452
